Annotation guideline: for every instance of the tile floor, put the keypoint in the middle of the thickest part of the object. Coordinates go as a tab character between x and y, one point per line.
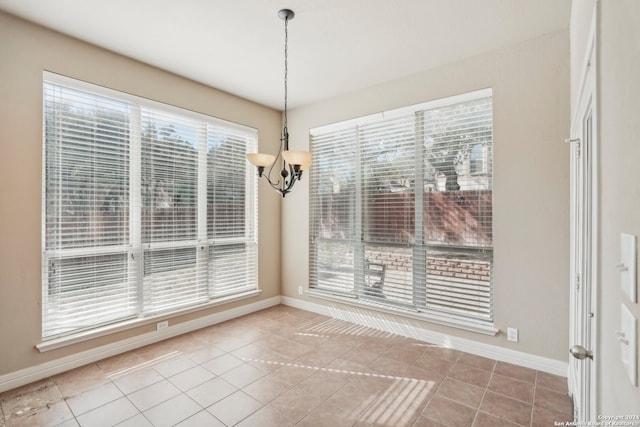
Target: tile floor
283	367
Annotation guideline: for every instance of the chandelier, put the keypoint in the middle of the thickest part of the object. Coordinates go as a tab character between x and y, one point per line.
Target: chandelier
293	162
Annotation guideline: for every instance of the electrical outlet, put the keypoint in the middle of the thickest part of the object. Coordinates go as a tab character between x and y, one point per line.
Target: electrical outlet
512	334
162	325
300	290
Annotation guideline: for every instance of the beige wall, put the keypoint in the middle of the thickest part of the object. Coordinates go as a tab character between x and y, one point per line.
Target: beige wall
530	84
618	71
25	51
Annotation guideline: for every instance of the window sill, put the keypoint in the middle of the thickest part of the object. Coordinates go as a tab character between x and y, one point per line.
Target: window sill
68	340
442	319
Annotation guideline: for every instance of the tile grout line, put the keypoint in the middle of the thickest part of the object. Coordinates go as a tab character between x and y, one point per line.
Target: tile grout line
533	402
484	393
63	399
435	393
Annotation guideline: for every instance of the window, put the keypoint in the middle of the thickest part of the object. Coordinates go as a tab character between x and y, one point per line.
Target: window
147	208
401	210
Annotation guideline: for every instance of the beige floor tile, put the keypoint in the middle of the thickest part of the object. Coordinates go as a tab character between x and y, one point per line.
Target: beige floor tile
229	344
506	408
400	404
543	417
27	388
234	408
209	392
348	368
468	374
389	367
487	420
135	421
222	364
121	364
477	361
375	346
433	363
517	372
520	390
267	388
293	374
360	394
80	379
137	380
190	378
185	344
158	351
293	406
327	415
547	398
153	395
174	366
423	421
52	415
29	399
361	356
205	354
269	361
461	392
442	352
172	411
403	354
243	375
72	422
200	419
249	351
94	398
553	382
266	417
448	412
109	414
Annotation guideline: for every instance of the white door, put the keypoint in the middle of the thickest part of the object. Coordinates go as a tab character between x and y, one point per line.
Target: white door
583	193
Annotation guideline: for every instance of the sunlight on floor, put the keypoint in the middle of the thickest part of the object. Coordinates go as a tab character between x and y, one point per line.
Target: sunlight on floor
397	405
140	366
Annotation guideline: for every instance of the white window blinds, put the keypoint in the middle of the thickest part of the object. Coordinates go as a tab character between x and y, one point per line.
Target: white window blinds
86	211
401	208
147	208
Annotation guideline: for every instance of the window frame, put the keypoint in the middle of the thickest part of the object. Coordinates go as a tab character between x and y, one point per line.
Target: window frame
134	247
419	249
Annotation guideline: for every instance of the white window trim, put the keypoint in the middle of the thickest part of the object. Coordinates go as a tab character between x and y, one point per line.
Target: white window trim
68	340
448	319
135	245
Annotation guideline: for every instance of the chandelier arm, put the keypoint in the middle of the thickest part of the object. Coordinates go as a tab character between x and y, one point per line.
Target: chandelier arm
268	175
275	185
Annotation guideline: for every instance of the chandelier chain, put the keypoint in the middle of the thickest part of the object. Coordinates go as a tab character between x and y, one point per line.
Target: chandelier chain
286	67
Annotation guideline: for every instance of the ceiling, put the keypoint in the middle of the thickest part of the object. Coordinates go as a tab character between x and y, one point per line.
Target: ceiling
335	46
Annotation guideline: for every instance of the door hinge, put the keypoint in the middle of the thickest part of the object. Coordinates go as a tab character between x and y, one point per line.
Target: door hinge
578	281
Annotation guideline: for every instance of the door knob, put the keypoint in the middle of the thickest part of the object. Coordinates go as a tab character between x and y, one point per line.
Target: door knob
579	352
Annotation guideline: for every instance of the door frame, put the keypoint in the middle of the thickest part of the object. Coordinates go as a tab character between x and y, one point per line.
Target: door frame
586	102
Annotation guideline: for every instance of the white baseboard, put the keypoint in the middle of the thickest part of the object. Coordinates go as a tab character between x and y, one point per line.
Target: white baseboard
386	323
53	367
357	316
